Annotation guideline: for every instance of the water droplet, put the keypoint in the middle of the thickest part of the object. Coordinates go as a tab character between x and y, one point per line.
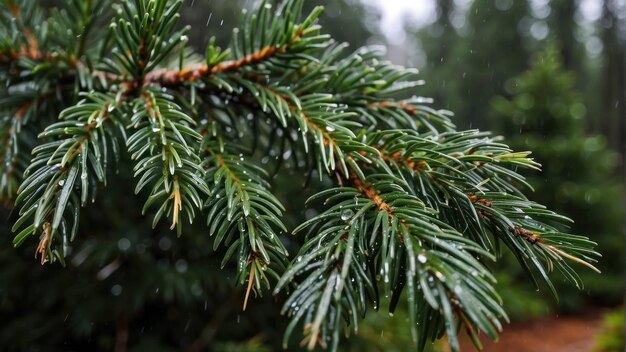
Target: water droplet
421	258
61	183
330	128
346	214
165	243
123	244
440	276
386	277
116	290
181	265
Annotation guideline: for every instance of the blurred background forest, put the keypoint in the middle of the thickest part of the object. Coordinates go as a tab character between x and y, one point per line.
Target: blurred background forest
550	75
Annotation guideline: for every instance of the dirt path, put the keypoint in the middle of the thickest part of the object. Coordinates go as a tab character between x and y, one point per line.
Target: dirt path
549	334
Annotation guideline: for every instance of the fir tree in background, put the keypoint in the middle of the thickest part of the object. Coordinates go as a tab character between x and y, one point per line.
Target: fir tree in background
471	53
547	115
409	208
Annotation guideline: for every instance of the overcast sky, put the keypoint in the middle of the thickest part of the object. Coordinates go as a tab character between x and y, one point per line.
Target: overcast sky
421	12
394	12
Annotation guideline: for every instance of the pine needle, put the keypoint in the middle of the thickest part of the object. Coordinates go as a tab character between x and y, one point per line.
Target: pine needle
250	280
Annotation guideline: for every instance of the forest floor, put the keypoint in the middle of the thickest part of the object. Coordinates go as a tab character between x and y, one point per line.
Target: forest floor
546	334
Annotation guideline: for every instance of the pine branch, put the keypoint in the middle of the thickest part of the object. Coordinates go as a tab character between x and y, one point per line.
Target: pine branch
251	211
416	205
477	165
51	195
12	159
28	44
407	246
165	147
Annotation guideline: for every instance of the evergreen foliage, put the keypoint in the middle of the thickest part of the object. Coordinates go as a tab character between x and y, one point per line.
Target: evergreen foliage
465	58
416	210
546	114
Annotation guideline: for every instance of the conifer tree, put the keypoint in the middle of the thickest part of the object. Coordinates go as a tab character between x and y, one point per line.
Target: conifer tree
414	210
465	57
546	114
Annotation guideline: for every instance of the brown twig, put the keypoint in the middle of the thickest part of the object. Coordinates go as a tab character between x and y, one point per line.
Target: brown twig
527	235
162	77
166	77
371	193
412	110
